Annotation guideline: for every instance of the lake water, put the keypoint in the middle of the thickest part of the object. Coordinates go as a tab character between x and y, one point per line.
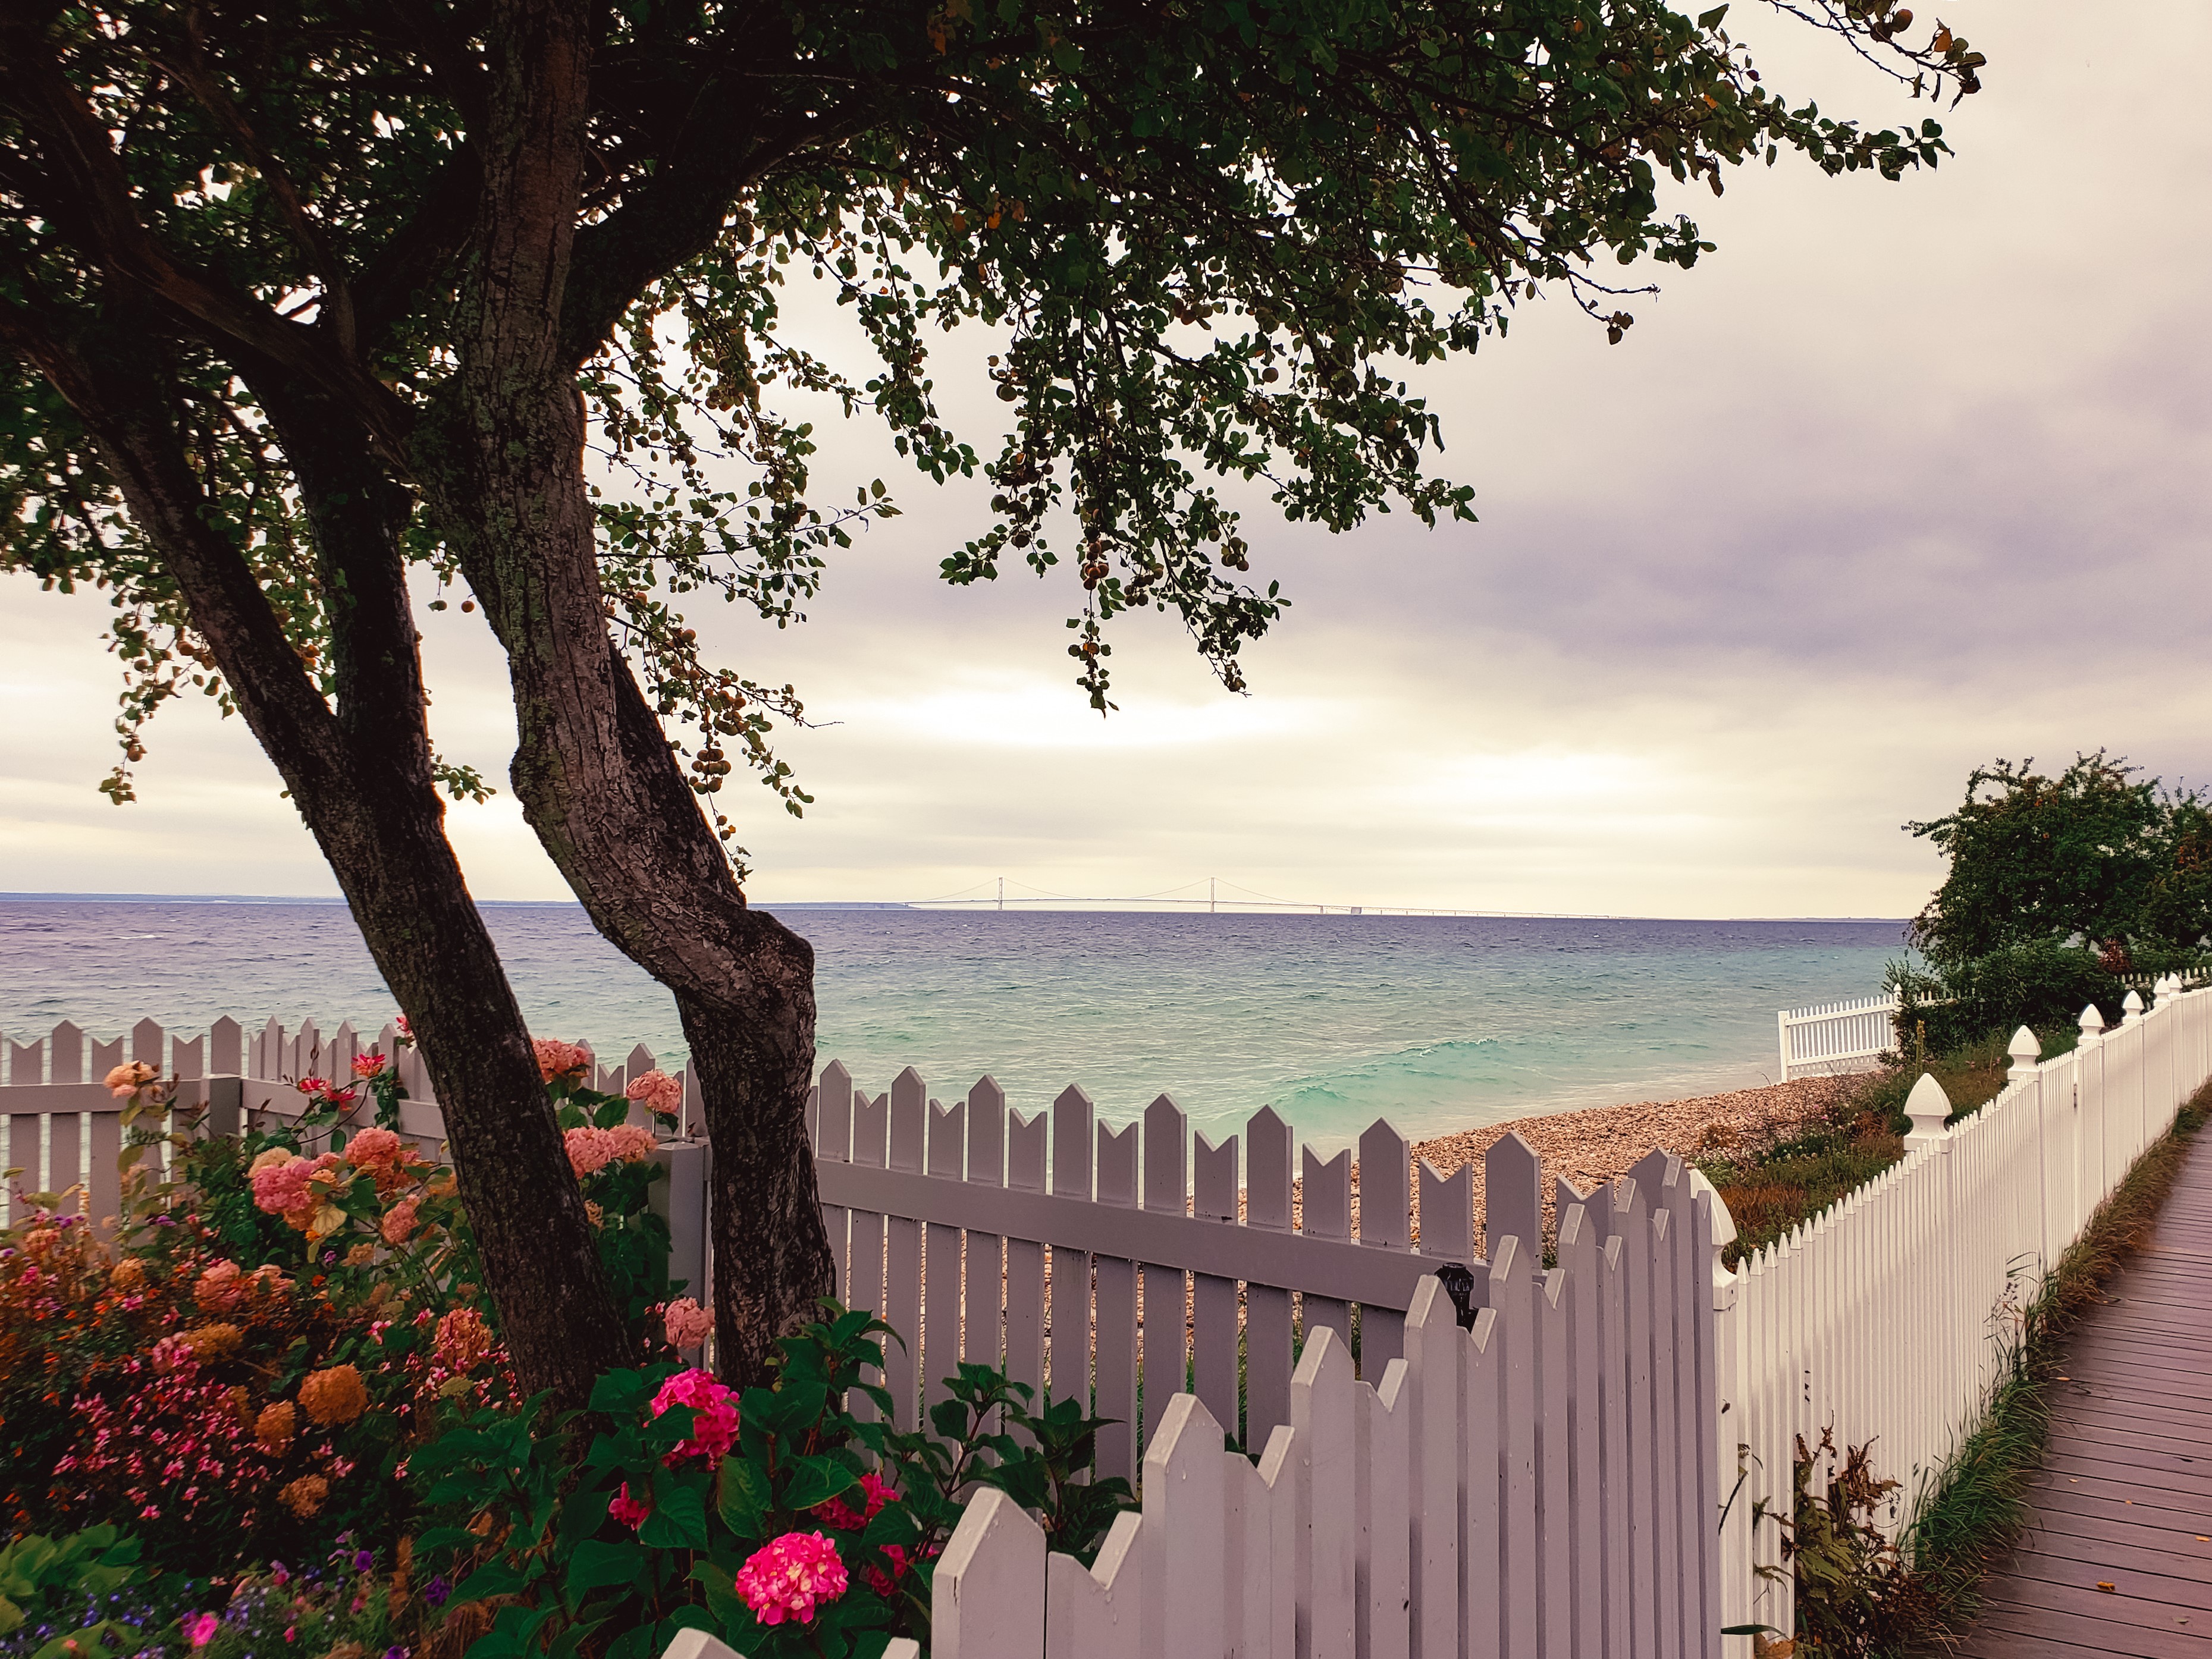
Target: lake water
1436	1022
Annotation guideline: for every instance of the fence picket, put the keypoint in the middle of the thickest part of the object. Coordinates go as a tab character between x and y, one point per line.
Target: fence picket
1382	1469
1186	1556
1113	1321
1026	1306
872	1131
982	1331
1328	1214
1097	1611
1386	1223
1213	1301
833	1143
1322	1405
989	1595
1266	1307
902	1250
1165	1296
941	1263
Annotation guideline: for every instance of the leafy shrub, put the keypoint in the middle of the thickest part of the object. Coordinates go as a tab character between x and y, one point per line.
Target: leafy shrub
2041	984
779	1520
283	1315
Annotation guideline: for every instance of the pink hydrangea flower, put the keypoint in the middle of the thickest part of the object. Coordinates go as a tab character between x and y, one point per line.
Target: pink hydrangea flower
627	1509
282	1189
790	1577
399	1222
591	1150
686	1322
200	1628
714	1414
556	1059
657	1091
222	1288
875	1492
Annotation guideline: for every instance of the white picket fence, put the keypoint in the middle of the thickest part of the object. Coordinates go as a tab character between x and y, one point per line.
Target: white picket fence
1829	1038
1890	1318
1591	1468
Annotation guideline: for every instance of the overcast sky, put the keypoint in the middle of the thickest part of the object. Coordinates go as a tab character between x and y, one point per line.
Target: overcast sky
1904	477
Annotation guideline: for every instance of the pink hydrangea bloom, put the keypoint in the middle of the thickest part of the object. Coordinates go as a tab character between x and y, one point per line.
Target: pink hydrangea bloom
875	1492
222	1288
200	1628
714	1414
375	1150
627	1509
398	1222
282	1189
788	1578
686	1322
591	1150
657	1091
558	1059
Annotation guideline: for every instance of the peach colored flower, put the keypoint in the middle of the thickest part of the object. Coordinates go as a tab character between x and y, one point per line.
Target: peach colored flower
124	1082
400	1222
656	1091
277	1426
304	1496
334	1395
378	1151
463	1340
686	1322
556	1059
212	1342
128	1275
222	1288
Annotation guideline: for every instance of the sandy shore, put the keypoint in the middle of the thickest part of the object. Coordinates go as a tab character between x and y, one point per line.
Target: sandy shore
1599	1142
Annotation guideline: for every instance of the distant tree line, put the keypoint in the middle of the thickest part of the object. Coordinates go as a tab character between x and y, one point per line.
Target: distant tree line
2061	892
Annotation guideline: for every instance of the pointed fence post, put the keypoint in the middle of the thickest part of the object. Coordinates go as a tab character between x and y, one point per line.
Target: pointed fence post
1513	1198
2131	1008
988	1598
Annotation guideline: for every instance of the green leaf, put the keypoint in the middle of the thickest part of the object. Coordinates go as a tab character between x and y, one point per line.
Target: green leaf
817	1481
745	1496
678	1520
1709	20
601	1565
493	1578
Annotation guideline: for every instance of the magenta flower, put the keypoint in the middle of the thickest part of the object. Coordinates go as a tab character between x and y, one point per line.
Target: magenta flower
200	1628
790	1577
627	1509
714	1414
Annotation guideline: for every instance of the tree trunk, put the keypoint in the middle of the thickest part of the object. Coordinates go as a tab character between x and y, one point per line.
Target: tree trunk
361	777
500	456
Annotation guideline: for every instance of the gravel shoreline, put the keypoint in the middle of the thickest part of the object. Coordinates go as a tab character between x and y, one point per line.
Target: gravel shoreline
1598	1142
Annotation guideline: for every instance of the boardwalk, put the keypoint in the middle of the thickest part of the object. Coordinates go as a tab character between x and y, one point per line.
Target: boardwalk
2119	1558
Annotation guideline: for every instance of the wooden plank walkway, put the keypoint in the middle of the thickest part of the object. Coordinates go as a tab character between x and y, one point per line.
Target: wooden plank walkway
2124	1499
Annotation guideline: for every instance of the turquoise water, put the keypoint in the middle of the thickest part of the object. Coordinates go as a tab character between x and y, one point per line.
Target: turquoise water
1436	1022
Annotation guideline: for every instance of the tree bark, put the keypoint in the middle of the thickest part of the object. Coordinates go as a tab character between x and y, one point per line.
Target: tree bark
360	775
500	456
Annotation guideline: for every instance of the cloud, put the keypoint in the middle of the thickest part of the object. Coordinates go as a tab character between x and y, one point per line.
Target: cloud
1903	477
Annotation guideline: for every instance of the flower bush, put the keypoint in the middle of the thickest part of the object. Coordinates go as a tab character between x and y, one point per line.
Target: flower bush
280	1318
282	1352
776	1520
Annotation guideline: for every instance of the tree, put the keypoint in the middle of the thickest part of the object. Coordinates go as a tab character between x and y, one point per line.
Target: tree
297	297
2099	853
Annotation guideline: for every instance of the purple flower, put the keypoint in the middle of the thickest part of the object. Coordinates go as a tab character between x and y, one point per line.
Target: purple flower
437	1591
363	1560
395	1652
329	1256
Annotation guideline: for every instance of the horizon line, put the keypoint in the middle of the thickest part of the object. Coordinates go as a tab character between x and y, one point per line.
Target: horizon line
1075	907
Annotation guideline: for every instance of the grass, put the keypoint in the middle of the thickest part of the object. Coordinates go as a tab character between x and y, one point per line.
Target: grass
1982	1501
1772	1188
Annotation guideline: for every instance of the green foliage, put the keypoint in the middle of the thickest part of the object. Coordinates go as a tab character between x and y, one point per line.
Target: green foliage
2041	984
649	1533
2097	853
1855	1595
43	1580
1208	239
